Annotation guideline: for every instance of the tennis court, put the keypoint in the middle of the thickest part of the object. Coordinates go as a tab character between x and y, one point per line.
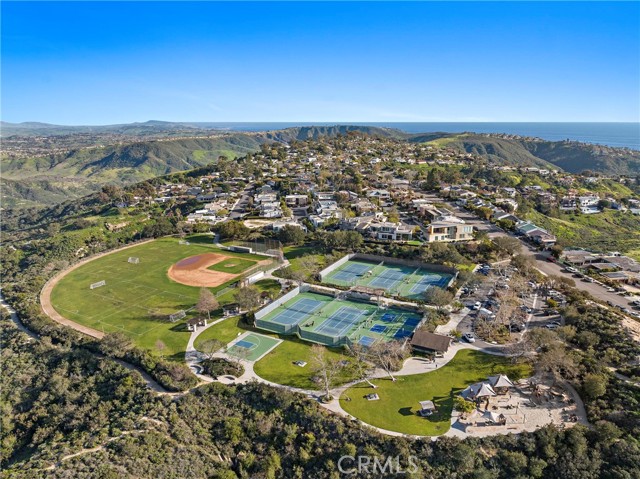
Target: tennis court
398	280
297	312
327	320
339	322
351	271
252	346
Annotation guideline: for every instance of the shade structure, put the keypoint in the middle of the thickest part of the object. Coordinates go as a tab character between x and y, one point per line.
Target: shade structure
500	381
492	416
485	390
478	390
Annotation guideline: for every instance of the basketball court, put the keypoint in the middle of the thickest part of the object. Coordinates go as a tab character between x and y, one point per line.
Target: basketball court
252	346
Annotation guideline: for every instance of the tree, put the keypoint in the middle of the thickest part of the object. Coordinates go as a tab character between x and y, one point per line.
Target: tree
388	355
594	385
364	368
115	344
556	251
462	405
325	369
210	347
291	235
507	245
247	298
207	302
438	297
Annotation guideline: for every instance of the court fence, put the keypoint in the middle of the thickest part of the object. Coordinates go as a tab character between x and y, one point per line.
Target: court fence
439	268
387	260
280	301
332	267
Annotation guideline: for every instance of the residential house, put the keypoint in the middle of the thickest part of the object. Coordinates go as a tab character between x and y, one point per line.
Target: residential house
448	228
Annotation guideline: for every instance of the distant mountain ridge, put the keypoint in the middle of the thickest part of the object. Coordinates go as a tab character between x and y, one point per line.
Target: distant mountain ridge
571	156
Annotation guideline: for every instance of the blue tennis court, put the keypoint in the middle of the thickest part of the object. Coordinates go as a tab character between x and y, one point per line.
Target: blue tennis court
411	322
367	341
378	328
402	333
297	312
340	321
245	344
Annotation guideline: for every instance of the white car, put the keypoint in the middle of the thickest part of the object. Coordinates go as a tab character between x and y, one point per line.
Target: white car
469	337
476	306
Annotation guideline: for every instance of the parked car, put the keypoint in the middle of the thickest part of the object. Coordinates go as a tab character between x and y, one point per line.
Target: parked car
476	306
551	326
516	327
469	337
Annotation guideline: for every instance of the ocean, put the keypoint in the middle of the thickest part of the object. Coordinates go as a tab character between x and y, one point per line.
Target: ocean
611	134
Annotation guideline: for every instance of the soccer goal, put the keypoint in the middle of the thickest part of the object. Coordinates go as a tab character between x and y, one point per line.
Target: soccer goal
133	260
98	284
177	315
184	242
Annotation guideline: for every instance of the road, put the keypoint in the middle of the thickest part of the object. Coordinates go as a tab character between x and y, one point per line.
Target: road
541	262
237	210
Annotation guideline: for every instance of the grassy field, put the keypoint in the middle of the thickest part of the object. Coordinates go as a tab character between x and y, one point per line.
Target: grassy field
137	298
277	366
232	265
398	405
607	231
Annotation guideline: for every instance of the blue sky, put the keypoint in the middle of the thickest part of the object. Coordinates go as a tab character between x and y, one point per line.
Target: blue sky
116	62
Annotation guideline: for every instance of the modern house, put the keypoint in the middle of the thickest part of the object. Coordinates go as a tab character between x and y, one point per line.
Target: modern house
448	228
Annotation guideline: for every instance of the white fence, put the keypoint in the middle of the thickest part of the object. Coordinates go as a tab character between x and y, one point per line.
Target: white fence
255	277
280	301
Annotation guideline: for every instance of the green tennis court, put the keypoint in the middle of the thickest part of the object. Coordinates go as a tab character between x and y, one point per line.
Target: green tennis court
252	346
405	281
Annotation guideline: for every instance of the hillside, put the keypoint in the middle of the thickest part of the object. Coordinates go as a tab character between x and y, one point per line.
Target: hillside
150	149
315	132
570	156
47	180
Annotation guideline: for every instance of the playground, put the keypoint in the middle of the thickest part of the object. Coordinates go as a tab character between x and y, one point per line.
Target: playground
331	321
396	279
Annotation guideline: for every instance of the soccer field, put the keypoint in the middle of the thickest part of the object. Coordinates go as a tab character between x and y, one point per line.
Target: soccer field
137	298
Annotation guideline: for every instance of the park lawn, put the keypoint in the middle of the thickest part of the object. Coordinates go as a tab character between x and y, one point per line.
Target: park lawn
232	265
295	254
224	331
396	410
292	252
278	367
271	286
137	298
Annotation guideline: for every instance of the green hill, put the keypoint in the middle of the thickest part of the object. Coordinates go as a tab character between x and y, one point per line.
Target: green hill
570	156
